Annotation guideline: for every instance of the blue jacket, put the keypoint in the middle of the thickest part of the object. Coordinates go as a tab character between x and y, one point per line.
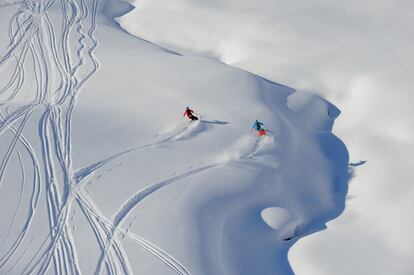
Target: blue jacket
257	125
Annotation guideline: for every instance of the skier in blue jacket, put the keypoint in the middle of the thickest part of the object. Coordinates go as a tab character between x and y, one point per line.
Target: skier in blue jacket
258	126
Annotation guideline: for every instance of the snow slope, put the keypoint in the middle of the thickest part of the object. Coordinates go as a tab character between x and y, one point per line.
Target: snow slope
358	54
101	174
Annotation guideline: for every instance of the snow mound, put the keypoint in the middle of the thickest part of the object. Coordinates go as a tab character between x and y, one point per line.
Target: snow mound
281	220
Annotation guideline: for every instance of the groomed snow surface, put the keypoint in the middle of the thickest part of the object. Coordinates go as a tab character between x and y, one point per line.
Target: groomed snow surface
101	174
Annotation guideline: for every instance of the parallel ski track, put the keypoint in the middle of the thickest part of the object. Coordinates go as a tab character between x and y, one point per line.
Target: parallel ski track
27	35
20	198
60	71
134	201
34	201
162	255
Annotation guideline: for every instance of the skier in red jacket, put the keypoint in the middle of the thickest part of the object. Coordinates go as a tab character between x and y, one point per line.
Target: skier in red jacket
189	113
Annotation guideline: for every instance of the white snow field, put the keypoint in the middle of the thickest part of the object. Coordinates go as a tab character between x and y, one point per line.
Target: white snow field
357	54
101	174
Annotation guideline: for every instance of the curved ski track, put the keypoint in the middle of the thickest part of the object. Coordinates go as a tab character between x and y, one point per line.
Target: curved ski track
39	48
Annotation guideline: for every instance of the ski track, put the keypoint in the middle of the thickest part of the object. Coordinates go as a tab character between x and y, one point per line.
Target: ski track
153	249
20	198
42	48
60	71
33	201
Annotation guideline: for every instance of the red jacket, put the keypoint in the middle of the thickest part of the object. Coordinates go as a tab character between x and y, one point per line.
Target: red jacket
189	113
